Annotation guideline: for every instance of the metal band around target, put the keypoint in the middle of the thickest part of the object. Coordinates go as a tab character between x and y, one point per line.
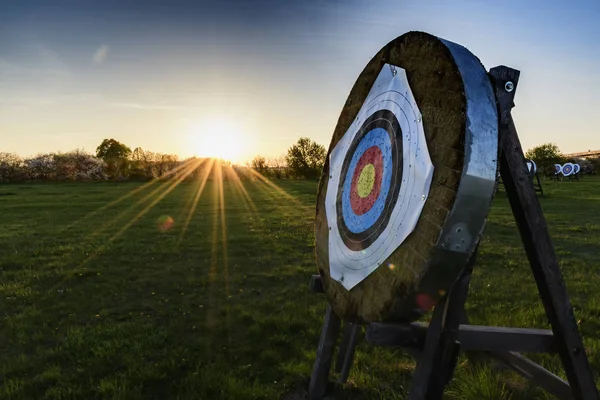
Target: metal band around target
379	180
531	167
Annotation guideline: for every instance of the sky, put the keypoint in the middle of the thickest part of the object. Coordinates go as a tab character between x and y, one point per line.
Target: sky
188	77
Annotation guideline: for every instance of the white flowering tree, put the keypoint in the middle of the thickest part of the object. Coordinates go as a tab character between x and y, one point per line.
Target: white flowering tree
40	168
78	165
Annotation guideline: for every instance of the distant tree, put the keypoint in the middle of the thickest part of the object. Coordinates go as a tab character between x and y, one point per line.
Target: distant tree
150	160
116	156
306	158
277	167
138	165
110	149
138	154
545	156
11	167
593	166
166	162
259	164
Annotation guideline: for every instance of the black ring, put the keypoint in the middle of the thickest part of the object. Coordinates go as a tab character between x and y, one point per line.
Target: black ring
384	119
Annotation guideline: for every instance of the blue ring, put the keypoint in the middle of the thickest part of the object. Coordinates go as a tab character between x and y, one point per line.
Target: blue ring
359	223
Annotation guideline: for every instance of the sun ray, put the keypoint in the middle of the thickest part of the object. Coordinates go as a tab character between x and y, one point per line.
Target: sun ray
214	261
268	183
127	195
124	228
240	188
194	185
224	244
207	172
223	225
174	180
85	240
142	212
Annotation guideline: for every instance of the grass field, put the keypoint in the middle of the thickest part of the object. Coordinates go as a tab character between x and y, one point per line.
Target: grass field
105	302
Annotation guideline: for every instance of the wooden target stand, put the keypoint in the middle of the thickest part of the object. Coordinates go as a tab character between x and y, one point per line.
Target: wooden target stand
437	345
535	178
537	184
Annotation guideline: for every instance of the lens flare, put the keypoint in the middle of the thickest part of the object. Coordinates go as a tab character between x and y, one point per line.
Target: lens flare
425	302
165	223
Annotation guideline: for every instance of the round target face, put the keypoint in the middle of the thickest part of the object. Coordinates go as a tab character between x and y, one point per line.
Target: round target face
576	168
557	168
567	169
380	177
370	179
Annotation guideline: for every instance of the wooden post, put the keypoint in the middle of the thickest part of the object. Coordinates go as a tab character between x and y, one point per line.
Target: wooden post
538	188
320	373
536	240
436	366
347	349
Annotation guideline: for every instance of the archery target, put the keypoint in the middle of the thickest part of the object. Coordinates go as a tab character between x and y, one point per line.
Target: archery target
557	168
380	177
576	168
408	181
567	169
531	167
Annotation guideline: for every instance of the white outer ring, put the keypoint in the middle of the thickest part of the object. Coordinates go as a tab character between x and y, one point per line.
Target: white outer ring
390	91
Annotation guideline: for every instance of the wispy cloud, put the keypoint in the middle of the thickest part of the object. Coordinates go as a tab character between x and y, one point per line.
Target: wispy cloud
101	54
27	101
143	106
42	98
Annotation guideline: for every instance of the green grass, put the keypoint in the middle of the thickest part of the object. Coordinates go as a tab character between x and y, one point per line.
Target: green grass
90	309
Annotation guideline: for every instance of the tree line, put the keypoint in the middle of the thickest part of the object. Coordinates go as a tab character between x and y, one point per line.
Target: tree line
116	161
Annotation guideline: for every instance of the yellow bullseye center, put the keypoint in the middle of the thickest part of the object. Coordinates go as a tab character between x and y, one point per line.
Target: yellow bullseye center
366	181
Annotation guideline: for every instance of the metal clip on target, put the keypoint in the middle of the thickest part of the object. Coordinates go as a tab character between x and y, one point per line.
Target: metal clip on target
401	208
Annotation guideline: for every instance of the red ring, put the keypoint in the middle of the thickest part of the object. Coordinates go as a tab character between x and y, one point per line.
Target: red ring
359	204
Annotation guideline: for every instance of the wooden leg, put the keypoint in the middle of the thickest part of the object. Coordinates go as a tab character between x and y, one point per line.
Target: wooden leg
539	185
320	373
535	373
538	245
347	349
343	347
440	352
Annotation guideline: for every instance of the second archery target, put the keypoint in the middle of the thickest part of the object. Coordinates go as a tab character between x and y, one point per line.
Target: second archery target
567	169
408	180
531	167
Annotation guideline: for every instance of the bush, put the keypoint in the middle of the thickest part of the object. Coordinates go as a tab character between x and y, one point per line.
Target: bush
79	166
40	168
11	167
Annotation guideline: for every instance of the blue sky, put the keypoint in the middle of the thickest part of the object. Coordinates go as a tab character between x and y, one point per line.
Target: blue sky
151	73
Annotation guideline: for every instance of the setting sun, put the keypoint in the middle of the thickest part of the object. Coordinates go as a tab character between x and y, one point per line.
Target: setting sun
218	137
